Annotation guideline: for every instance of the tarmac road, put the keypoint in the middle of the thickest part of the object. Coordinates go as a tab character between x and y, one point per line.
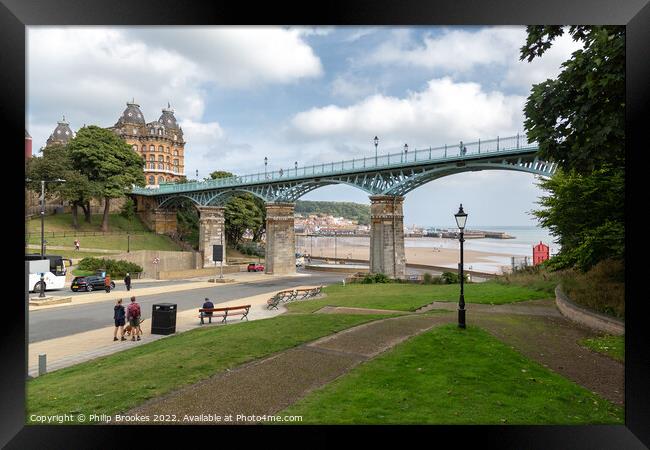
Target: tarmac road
65	321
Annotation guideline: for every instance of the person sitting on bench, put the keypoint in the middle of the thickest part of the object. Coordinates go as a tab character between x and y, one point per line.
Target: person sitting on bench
207	305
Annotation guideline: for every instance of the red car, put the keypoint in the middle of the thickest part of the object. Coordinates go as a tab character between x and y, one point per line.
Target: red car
252	267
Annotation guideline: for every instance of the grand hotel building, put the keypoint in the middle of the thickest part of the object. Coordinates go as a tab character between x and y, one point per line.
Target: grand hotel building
160	143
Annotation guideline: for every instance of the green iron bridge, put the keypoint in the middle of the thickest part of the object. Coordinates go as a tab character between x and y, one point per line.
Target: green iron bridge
393	174
387	178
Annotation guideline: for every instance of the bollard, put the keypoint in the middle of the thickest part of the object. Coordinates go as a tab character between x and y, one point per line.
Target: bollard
42	364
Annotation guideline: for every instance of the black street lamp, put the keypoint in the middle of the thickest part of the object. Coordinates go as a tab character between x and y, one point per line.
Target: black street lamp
42	199
376	144
295	164
406	152
461	218
266	161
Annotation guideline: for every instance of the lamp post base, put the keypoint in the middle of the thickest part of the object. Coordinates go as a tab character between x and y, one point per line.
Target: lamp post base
461	318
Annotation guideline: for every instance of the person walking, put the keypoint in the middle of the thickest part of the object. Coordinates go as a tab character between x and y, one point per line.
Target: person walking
133	316
118	315
127	281
76	244
107	283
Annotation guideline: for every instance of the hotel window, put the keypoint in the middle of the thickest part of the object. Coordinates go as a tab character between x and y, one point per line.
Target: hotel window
175	152
152	165
144	148
160	166
152	180
161	158
135	131
168	150
160	149
152	158
135	148
152	148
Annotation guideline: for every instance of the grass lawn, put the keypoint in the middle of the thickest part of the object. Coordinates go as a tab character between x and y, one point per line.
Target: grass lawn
612	346
60	223
63	222
118	382
451	376
409	297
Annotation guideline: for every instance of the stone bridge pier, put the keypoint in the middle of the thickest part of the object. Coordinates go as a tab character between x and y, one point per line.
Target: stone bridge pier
387	254
158	220
212	227
280	239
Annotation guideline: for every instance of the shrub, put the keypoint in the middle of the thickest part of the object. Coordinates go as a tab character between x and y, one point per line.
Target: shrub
376	278
128	209
430	279
250	249
601	289
452	278
113	267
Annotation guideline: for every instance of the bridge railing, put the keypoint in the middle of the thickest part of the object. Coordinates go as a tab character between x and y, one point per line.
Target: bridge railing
460	150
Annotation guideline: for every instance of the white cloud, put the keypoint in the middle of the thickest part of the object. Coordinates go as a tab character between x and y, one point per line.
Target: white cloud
525	74
88	73
351	87
456	52
443	112
239	56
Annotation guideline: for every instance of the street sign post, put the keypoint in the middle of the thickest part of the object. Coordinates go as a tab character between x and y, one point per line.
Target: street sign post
217	255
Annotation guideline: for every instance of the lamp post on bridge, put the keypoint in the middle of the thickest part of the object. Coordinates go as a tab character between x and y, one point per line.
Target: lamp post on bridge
266	161
295	165
376	144
461	219
406	152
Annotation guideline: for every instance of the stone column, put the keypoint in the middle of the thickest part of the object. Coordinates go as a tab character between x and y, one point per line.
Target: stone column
212	227
280	239
387	236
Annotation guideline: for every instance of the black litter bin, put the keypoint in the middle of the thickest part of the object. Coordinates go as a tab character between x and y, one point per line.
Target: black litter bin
163	318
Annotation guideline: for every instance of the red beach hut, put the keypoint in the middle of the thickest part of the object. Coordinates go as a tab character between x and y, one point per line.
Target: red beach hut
540	253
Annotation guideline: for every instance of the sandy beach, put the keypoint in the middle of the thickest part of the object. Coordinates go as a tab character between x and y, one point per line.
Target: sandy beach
442	252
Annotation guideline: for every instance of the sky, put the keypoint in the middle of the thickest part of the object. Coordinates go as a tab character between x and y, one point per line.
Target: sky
306	94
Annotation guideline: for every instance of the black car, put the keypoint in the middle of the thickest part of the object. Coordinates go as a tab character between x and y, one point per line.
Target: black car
89	283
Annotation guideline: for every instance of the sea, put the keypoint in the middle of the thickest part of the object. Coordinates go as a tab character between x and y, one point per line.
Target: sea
501	251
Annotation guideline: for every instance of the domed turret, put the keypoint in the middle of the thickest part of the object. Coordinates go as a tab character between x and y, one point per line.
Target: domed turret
131	115
167	118
61	134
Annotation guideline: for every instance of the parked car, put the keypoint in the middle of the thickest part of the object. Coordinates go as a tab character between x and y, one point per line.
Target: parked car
254	267
300	261
89	283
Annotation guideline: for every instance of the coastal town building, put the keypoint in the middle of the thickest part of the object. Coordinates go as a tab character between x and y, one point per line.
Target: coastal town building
160	143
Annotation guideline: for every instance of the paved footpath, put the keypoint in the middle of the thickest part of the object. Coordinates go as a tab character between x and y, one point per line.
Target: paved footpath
74	349
269	385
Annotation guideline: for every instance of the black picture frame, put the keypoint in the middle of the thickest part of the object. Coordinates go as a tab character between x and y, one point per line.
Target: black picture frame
15	15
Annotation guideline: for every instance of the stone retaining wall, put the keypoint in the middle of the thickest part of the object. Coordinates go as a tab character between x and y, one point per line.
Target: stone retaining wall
211	271
587	318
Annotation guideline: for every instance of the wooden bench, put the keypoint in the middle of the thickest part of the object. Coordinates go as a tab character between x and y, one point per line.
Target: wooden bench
273	301
308	292
224	312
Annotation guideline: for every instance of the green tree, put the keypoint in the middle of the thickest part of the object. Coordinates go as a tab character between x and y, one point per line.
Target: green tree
105	158
578	121
56	163
585	213
243	212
